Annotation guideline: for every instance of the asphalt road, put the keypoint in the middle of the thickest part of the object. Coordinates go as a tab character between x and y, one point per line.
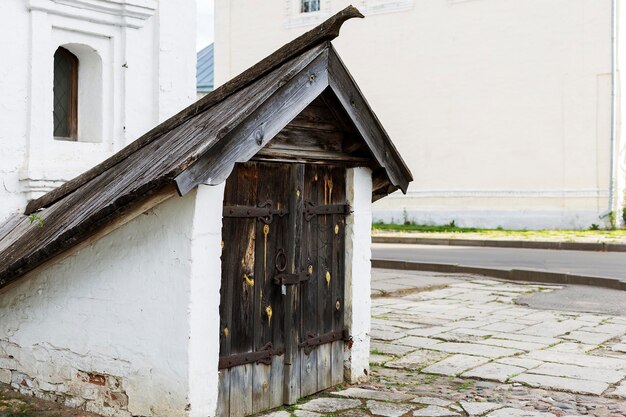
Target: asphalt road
602	264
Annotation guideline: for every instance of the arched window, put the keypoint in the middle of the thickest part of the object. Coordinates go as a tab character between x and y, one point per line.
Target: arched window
65	113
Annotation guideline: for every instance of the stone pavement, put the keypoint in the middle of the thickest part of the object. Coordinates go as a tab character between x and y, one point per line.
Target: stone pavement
464	348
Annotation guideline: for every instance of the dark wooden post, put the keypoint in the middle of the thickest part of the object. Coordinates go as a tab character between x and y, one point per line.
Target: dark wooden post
294	245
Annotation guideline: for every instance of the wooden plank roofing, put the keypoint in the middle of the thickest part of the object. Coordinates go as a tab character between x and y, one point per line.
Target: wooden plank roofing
201	144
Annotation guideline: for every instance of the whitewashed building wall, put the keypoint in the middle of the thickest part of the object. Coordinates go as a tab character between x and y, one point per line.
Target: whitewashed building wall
501	108
106	328
136	68
126	325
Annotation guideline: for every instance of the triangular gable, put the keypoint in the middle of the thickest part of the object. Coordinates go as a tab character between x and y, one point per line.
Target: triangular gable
200	146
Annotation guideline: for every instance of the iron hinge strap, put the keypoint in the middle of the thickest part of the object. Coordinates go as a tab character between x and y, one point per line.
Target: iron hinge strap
264	212
311	209
261	356
313	341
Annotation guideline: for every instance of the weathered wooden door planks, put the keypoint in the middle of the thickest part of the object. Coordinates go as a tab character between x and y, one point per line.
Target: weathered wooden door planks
281	309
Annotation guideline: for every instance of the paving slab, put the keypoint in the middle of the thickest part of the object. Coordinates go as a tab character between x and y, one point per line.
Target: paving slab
620	347
370	394
386	409
610	328
528	338
579	372
591	338
380	359
620	391
417	342
417	360
455	365
305	413
522	363
394	323
475	349
435	411
429	331
356	412
330	405
441	402
504	327
278	414
572	347
512	344
386	335
552	329
577	386
390	348
494	371
479	408
516	412
577	359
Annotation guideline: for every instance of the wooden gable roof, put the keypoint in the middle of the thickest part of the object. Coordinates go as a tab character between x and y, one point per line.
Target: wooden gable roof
201	144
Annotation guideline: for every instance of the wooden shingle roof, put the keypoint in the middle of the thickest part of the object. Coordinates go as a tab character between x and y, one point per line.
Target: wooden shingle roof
201	144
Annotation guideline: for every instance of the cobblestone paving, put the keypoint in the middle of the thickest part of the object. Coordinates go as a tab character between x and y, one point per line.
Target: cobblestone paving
469	350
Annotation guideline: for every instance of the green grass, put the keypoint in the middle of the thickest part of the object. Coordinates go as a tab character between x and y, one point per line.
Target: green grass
465	385
412	227
453	229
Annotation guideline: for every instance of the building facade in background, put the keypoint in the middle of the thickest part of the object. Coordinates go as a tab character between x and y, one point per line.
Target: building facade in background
502	108
84	79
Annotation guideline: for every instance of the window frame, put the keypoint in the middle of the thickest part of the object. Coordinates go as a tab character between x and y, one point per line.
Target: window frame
302	6
72	112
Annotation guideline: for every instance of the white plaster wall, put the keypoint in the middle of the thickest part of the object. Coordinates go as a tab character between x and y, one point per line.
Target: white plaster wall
119	308
498	106
204	311
13	105
358	273
147	53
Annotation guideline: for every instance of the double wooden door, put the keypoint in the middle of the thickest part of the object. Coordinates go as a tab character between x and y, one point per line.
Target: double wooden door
282	291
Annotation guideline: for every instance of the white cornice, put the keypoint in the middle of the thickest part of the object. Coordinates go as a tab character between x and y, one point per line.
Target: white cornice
130	13
563	193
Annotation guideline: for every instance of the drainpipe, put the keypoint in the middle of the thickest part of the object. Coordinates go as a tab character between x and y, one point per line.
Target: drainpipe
614	117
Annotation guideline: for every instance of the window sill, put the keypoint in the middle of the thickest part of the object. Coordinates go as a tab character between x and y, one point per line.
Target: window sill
306	19
58	162
380	7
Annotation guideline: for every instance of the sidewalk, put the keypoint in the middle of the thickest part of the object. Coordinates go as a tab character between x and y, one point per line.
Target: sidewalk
459	346
553	240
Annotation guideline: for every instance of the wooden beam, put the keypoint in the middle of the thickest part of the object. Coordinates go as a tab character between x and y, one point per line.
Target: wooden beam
252	134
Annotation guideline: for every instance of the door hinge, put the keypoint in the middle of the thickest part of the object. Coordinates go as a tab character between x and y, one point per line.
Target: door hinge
264	212
312	341
260	356
311	209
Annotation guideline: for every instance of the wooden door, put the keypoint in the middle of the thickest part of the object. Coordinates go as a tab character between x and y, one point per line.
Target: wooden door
281	308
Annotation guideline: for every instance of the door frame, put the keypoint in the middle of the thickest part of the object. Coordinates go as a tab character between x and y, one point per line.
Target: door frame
357	301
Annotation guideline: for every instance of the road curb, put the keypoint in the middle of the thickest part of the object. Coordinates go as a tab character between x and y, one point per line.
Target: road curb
523	244
514	274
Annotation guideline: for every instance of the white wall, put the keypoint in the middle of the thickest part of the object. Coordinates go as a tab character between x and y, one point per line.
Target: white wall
146	54
501	108
358	273
119	308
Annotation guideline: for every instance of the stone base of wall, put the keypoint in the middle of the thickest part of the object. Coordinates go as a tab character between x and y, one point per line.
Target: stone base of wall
45	372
